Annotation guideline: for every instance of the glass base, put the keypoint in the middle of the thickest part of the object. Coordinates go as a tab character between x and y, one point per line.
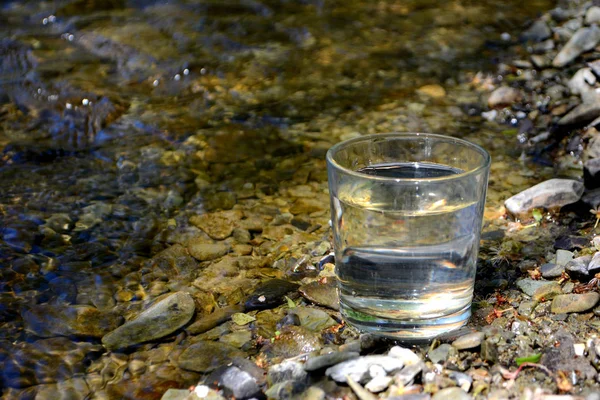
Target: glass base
413	330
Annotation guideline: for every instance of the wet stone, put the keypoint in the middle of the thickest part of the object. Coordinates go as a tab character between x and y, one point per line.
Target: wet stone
326	360
537	32
160	319
313	319
592	15
207	251
408	374
553	193
292	341
269	294
324	294
594	265
547	292
468	341
206	356
581	114
489	351
237	339
551	270
307	205
407	356
50	320
217	225
358	369
569	303
378	384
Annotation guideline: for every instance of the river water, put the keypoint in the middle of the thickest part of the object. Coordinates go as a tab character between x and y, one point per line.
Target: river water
121	121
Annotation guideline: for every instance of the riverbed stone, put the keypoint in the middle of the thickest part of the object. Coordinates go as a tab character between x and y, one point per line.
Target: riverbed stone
551	270
160	319
48	320
326	360
504	96
468	341
269	294
579	266
287	370
407	356
592	15
240	383
573	303
207	251
553	193
322	293
218	225
313	319
441	353
585	39
581	114
529	286
205	356
594	265
358	369
537	32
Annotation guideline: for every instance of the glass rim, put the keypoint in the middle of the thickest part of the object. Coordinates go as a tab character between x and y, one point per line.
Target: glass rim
485	164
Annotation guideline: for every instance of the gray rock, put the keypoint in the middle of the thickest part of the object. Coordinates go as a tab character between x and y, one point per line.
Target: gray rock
581	114
463	380
591	173
570	303
378	384
543	47
284	390
407	375
327	360
537	32
594	264
553	193
452	393
526	307
540	61
530	286
504	96
407	356
563	257
561	357
358	369
207	356
441	353
286	371
160	319
468	341
489	351
240	383
207	251
551	270
592	15
582	83
585	39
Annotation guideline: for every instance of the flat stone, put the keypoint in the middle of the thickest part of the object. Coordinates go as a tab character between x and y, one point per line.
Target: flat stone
451	393
327	360
592	15
579	265
240	383
582	82
594	265
218	225
537	32
406	375
441	353
207	356
207	251
551	270
160	319
504	96
307	205
591	173
323	294
313	319
581	114
529	286
547	292
269	294
358	369
208	322
489	351
407	356
176	394
570	303
553	193
468	341
585	39
563	257
286	371
379	384
237	338
47	320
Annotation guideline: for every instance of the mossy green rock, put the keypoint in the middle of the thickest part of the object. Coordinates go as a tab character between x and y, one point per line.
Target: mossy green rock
161	319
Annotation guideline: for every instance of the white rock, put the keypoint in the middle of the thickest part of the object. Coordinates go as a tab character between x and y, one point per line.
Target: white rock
357	369
592	16
378	384
585	39
406	355
504	96
553	193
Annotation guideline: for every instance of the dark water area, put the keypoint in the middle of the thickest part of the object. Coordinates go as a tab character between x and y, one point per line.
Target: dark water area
132	132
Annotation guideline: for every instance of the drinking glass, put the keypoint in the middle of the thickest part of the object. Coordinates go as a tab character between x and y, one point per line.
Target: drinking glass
406	211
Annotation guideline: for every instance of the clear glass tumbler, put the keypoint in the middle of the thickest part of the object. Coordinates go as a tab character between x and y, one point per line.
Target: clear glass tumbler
407	210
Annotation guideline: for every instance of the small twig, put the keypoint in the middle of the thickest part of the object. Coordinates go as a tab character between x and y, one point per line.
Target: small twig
506	374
